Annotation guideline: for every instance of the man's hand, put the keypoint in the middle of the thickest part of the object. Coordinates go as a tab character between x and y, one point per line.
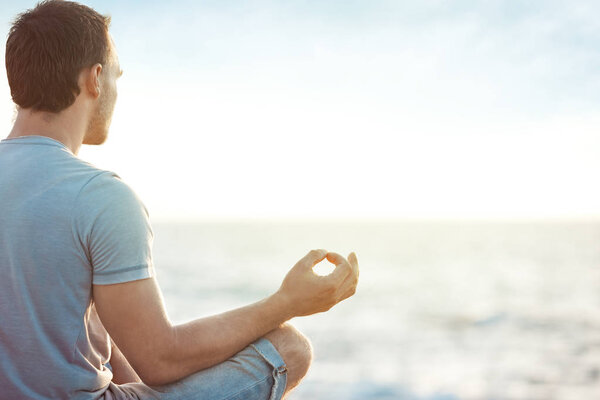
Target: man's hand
308	293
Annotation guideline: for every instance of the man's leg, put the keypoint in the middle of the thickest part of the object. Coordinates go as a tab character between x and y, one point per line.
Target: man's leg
296	351
267	369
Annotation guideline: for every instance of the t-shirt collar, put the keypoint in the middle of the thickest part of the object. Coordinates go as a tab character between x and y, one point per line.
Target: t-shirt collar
36	139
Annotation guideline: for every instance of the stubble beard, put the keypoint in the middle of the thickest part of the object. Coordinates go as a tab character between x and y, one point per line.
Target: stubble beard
97	130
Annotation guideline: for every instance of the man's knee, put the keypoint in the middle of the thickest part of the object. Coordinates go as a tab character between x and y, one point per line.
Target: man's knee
295	349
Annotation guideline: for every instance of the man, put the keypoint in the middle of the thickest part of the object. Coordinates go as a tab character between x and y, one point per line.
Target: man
81	315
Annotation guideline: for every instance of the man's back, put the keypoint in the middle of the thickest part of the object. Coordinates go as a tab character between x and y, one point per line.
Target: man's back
63	224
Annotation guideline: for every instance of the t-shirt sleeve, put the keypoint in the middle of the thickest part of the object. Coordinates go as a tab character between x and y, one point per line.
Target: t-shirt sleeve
114	230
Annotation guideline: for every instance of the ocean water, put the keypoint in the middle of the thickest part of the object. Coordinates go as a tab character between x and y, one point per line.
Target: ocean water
444	310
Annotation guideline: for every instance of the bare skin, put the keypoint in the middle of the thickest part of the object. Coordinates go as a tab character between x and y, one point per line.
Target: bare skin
296	353
146	346
122	370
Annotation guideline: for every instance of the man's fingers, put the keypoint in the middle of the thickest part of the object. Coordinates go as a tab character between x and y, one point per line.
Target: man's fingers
348	293
348	286
314	257
352	258
342	266
336	258
354	262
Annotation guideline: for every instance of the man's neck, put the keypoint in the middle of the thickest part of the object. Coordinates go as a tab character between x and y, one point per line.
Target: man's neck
65	126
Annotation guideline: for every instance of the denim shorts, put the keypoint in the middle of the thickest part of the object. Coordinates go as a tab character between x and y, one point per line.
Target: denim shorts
255	373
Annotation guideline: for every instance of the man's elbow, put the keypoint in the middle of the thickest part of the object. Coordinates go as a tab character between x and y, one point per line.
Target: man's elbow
154	376
159	365
158	372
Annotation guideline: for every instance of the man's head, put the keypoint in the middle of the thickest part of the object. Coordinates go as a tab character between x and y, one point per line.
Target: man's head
58	51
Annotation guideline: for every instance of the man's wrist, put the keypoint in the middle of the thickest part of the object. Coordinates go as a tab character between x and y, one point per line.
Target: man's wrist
283	305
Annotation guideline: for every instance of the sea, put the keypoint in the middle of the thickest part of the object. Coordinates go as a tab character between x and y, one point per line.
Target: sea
444	310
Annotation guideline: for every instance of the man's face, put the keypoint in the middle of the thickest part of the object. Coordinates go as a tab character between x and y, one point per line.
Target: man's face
99	124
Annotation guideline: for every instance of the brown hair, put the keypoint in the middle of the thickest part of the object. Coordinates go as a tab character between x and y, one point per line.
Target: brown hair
46	49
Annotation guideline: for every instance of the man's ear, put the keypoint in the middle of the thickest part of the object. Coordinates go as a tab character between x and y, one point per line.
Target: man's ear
92	80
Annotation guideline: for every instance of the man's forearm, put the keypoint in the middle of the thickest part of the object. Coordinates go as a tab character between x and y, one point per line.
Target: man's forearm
205	342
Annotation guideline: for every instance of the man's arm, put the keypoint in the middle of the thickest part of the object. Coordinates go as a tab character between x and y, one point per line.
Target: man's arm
133	314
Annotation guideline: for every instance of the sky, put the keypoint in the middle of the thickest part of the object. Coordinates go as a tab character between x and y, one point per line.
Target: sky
352	109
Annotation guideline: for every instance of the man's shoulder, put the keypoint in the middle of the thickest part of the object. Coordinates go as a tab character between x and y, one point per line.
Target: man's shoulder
106	189
85	171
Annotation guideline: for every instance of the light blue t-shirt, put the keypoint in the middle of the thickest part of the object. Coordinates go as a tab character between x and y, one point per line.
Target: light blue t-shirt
64	225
